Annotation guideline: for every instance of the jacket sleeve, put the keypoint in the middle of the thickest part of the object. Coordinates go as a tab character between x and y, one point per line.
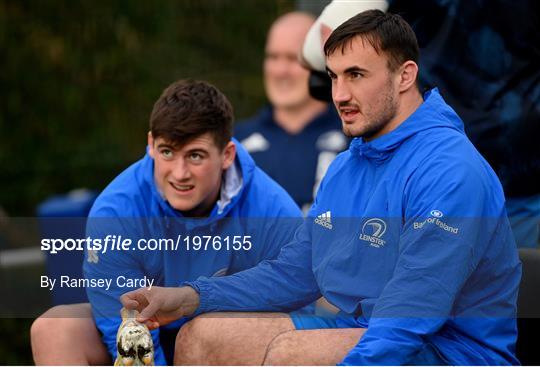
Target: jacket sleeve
267	236
269	219
109	265
445	232
283	284
278	227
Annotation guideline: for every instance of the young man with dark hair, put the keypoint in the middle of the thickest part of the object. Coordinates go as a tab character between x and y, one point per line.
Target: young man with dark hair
480	61
196	186
408	237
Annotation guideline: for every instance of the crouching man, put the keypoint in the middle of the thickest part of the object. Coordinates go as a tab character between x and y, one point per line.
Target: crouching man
195	185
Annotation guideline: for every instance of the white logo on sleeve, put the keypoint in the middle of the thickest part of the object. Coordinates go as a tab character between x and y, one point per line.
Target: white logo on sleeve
325	220
92	257
434	219
333	140
372	232
255	143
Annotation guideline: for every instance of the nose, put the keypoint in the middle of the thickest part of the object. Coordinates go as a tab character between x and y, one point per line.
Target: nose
180	171
285	66
279	67
340	91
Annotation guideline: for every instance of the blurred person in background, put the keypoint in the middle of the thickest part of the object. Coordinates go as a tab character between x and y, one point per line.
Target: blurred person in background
295	137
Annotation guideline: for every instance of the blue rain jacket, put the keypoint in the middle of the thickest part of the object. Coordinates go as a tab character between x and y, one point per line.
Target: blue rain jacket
251	204
409	238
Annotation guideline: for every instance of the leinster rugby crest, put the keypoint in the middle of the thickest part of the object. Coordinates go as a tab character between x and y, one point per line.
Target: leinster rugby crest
373	231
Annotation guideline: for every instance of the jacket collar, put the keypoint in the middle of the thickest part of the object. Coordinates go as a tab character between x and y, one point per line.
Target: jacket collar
432	113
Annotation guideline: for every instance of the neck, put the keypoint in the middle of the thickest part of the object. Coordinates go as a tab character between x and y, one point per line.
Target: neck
294	119
410	102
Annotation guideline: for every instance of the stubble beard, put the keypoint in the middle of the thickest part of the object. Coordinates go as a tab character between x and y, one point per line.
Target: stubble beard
376	121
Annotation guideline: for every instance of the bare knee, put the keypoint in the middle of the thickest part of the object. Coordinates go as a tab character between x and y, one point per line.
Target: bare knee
281	350
229	338
50	323
42	331
67	335
60	319
194	341
39	334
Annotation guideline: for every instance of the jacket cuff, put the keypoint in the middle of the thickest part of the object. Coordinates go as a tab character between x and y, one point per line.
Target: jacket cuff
205	304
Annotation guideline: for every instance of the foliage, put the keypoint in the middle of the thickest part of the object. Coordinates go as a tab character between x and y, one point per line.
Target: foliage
79	79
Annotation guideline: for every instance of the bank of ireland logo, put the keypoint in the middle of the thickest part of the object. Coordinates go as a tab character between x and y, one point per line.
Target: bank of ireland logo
372	232
434	219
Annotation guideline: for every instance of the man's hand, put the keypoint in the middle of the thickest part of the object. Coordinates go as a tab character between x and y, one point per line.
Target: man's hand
159	306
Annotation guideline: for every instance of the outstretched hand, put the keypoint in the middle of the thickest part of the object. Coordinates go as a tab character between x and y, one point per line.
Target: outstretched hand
159	306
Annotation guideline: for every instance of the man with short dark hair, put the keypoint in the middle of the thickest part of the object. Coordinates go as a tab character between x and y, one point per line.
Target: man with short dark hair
408	237
196	193
480	61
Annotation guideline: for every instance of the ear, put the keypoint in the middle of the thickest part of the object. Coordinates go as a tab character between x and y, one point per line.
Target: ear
229	154
150	144
407	75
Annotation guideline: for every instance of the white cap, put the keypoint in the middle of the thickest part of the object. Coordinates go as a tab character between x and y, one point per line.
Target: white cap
333	15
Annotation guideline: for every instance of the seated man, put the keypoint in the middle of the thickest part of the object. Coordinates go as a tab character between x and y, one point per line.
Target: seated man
294	138
192	169
408	237
497	94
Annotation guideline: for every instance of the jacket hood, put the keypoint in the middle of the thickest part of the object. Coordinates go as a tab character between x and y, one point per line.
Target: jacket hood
234	180
432	113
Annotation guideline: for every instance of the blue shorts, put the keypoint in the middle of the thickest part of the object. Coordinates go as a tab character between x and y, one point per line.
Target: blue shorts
322	320
427	356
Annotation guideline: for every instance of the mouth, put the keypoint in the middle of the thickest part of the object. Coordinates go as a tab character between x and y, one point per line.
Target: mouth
284	84
182	189
349	113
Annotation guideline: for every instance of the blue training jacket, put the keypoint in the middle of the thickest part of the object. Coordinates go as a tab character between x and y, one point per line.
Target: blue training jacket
408	237
251	204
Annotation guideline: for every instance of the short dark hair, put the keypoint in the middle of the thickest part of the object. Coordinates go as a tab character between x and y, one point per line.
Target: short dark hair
388	33
189	108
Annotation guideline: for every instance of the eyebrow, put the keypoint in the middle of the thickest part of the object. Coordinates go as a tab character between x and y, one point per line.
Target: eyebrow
349	70
355	69
197	150
165	145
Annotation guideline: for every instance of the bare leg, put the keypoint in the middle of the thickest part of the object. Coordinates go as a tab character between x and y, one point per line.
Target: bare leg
67	335
325	347
229	338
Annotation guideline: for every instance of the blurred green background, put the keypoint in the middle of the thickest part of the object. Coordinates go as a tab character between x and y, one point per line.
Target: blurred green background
78	80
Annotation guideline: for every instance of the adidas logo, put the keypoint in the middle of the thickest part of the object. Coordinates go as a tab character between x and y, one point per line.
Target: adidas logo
324	220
